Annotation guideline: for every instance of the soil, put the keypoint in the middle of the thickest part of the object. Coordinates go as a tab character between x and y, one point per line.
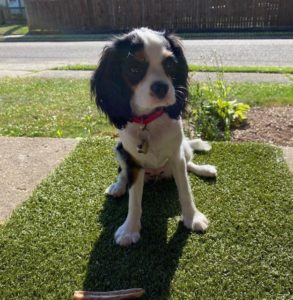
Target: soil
273	125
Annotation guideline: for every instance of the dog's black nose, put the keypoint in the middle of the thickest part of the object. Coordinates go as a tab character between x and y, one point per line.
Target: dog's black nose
160	89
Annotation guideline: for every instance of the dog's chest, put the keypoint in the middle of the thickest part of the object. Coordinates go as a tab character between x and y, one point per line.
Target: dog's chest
163	137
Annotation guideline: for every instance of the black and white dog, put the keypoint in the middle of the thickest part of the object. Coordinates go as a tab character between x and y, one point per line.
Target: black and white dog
141	84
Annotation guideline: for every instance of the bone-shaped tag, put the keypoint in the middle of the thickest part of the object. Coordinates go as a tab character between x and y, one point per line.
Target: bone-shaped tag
143	137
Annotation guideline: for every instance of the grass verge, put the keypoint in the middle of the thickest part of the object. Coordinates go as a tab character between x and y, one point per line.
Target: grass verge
198	68
241	69
61	239
261	94
62	108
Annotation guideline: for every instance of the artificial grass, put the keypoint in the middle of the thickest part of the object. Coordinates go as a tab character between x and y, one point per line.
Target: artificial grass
61	239
63	108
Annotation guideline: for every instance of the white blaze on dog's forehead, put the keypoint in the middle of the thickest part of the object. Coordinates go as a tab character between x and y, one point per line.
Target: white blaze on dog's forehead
154	44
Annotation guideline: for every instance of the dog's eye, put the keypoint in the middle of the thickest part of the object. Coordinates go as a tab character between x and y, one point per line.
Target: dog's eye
170	64
135	70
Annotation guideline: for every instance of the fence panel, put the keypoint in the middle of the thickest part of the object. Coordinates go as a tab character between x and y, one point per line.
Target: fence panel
172	15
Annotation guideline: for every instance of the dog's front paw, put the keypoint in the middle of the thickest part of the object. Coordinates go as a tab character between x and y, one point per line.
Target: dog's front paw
127	235
198	222
116	189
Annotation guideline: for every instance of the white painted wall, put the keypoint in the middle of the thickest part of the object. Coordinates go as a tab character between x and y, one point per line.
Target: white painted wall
12	3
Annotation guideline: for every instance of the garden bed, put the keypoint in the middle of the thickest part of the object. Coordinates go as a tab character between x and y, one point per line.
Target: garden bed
273	125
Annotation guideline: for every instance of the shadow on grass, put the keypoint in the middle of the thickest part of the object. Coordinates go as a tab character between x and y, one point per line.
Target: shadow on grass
152	262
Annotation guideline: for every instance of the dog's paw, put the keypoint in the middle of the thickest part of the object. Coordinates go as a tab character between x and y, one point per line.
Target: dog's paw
204	146
127	235
208	171
198	222
116	189
200	145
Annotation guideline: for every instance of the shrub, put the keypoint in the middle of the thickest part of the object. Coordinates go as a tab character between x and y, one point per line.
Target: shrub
213	113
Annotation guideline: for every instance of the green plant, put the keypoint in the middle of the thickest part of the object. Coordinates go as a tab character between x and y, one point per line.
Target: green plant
213	112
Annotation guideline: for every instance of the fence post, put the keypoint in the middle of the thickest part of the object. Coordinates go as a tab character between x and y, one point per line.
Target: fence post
113	15
89	10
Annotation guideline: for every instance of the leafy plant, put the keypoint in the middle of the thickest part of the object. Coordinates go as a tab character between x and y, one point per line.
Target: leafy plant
213	112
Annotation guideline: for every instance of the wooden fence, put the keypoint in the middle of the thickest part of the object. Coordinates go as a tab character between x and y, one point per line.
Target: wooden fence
173	15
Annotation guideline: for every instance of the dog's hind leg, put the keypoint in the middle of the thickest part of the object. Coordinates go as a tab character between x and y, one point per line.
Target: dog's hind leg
202	170
199	145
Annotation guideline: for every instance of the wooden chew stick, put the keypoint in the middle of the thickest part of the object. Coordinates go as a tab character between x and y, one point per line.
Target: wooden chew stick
113	295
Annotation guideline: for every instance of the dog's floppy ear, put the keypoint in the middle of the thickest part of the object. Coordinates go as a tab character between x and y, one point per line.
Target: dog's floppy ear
111	93
180	80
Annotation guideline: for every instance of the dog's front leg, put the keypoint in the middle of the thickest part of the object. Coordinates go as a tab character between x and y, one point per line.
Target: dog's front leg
192	218
128	232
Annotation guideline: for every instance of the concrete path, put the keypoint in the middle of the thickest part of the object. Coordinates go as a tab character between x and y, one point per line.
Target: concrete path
197	76
24	163
288	155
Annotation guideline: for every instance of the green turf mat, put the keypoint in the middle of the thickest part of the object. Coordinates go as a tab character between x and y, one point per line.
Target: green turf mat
61	239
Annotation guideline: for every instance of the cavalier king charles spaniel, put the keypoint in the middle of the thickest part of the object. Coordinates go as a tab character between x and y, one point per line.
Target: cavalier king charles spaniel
141	84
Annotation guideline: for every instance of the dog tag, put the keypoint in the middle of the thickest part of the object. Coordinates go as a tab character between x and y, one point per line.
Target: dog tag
143	137
142	147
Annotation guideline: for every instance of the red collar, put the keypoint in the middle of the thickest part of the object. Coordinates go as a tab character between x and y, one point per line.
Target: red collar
147	118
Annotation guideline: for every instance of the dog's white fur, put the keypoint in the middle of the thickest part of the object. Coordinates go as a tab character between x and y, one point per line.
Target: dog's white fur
169	153
168	148
142	101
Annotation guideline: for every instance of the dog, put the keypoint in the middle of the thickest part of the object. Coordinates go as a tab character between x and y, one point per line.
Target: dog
141	84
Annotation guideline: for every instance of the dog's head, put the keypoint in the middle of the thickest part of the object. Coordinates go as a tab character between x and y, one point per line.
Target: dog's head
138	73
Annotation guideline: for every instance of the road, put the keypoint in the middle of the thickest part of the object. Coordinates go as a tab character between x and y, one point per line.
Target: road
44	55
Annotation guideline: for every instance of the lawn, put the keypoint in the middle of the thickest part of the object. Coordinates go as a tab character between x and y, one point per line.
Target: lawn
62	108
200	68
259	94
49	108
61	239
13	29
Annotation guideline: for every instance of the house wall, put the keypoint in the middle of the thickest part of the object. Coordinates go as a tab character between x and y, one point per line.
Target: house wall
15	3
12	12
12	3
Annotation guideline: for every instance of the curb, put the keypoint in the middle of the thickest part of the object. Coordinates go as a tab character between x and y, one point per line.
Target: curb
31	37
